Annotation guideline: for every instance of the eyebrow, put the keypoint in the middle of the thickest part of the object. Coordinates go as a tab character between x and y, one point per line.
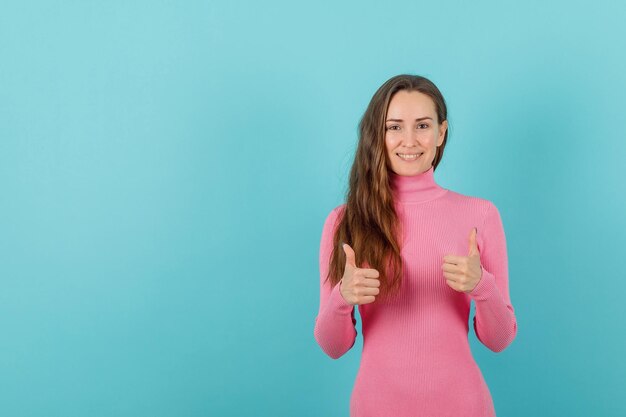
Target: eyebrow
417	120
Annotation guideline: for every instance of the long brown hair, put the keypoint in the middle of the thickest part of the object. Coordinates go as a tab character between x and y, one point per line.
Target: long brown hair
369	223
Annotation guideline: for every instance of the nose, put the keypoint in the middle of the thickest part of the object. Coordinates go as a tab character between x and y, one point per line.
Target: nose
410	139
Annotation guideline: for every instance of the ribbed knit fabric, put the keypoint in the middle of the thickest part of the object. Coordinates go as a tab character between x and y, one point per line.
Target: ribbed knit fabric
416	358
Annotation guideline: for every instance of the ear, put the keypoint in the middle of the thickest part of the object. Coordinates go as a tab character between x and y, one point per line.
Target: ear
442	131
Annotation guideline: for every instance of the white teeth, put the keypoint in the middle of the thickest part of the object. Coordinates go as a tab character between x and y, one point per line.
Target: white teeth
408	156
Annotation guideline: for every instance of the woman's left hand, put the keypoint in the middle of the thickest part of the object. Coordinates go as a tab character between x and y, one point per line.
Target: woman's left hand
463	273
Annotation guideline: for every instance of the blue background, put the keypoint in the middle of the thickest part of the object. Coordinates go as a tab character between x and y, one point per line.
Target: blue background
166	168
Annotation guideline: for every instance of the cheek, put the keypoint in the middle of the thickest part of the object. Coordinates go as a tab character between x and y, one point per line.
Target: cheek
430	138
391	143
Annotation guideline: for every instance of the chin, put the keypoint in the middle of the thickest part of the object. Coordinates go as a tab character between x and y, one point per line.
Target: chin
408	171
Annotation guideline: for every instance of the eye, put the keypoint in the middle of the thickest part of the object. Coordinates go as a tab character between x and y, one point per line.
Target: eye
392	127
423	124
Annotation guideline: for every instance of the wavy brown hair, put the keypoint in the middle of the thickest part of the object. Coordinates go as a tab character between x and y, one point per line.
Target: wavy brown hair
369	223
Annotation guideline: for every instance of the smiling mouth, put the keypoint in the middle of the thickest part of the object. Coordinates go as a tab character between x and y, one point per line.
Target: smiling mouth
409	156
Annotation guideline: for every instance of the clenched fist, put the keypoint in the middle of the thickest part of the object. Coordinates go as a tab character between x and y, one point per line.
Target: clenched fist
463	273
358	285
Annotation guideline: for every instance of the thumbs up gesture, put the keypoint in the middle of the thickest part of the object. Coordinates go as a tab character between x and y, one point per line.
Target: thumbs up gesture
358	285
463	273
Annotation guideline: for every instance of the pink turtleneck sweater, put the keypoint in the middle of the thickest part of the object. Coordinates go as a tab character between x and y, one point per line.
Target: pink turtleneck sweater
416	358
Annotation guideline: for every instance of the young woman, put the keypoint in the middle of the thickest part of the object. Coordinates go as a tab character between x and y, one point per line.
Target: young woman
412	255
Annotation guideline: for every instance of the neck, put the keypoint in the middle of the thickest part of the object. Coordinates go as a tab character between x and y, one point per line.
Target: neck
415	188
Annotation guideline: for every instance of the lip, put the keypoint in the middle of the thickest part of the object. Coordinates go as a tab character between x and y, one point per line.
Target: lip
406	160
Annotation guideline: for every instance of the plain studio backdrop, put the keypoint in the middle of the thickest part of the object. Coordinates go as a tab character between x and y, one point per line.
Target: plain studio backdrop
166	168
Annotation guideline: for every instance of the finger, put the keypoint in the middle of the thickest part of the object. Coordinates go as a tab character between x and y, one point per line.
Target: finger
450	276
368	291
454	259
367	299
473	246
369	273
371	282
448	267
350	255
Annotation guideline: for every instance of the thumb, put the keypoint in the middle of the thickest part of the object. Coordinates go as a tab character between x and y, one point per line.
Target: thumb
350	255
473	246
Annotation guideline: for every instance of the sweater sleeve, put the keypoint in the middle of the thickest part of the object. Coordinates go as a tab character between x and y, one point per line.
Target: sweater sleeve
335	330
494	321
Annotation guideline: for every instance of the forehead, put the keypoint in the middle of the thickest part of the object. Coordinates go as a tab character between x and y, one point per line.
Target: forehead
413	104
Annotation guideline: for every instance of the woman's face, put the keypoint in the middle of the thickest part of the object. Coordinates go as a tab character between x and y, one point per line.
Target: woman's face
411	129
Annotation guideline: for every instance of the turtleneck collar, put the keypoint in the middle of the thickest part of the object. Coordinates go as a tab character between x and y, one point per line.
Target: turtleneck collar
415	188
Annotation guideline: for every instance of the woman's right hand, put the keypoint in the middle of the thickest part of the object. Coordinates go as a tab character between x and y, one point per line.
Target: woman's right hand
358	285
